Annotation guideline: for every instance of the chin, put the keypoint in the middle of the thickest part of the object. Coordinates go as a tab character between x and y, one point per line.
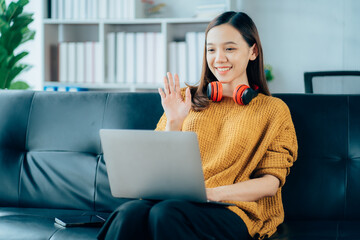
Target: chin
224	80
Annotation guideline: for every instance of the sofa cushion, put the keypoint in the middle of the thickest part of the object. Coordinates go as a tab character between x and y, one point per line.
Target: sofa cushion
317	230
322	181
34	223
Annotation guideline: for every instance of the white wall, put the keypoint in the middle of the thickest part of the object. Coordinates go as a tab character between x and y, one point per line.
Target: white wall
34	76
307	35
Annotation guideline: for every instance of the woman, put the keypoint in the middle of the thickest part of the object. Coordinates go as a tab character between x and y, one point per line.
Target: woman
247	143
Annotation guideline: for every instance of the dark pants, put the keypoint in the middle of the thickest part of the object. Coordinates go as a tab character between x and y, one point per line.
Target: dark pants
172	219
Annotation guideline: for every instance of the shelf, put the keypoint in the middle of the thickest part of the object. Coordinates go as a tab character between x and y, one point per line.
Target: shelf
60	36
106	86
124	21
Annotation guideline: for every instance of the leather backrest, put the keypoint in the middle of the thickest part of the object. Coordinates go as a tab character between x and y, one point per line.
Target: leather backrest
50	152
14	113
324	181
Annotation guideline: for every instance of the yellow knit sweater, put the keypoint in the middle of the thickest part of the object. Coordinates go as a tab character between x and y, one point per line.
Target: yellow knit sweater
238	143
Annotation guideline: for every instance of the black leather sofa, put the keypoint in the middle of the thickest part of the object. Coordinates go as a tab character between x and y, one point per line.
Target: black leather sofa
51	163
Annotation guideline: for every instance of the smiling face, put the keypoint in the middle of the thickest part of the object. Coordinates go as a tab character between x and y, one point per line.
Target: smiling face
228	55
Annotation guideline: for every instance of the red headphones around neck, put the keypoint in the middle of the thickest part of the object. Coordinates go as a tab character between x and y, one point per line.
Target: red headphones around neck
242	94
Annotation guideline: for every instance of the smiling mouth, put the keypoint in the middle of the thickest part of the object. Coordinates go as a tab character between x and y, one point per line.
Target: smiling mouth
223	69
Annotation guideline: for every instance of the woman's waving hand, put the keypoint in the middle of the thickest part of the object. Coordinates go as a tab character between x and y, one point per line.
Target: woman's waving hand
175	106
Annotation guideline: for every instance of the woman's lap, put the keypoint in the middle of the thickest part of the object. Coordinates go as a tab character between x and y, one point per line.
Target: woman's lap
173	219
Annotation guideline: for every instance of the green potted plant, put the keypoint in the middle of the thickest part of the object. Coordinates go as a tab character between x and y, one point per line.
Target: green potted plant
268	72
14	31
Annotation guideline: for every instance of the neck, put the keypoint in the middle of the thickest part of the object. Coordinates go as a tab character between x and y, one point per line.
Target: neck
228	88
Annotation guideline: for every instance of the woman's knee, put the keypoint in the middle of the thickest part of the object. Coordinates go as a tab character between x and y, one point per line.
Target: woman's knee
134	208
168	211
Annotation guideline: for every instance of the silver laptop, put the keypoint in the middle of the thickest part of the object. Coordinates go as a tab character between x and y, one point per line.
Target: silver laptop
146	164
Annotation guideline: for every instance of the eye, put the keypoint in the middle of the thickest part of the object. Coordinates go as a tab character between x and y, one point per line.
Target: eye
230	49
210	50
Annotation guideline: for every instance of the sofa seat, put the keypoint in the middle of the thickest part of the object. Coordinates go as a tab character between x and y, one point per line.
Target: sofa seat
36	223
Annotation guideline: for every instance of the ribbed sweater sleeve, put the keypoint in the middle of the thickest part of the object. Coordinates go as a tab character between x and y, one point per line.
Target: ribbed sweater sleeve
161	124
282	151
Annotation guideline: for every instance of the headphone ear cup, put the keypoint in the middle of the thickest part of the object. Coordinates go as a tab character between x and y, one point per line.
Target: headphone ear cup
248	95
238	94
244	94
214	91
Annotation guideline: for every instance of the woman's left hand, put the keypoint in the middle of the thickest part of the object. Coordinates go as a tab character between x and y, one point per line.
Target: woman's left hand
213	194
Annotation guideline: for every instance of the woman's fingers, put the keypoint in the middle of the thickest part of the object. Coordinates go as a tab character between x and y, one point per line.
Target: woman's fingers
161	92
177	84
166	86
188	96
171	82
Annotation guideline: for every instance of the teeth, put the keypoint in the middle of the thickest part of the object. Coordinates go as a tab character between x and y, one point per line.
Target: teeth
223	69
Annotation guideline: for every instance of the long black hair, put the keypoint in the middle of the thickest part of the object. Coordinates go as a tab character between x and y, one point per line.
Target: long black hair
255	69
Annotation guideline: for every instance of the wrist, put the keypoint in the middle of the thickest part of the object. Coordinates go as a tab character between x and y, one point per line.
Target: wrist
173	125
220	193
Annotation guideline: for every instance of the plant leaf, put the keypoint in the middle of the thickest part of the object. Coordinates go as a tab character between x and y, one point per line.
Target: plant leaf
17	58
27	36
2	6
14	40
3	76
13	11
21	22
3	54
14	72
22	3
14	31
19	85
4	25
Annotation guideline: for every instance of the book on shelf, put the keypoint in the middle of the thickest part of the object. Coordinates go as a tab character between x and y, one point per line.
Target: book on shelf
111	57
192	53
68	9
97	63
150	63
76	9
72	68
83	14
120	57
130	54
54	9
77	62
159	57
95	9
131	58
54	63
80	62
135	57
103	9
185	58
182	62
57	9
173	58
63	62
201	51
89	58
140	57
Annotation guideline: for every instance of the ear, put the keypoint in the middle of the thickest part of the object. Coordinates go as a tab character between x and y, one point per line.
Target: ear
254	52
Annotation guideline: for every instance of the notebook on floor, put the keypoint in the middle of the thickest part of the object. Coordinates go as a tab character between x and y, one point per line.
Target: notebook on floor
146	164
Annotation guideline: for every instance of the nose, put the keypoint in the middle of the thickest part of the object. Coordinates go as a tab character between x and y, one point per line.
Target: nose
220	57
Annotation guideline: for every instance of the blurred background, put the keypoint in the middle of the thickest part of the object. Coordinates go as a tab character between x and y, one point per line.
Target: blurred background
297	36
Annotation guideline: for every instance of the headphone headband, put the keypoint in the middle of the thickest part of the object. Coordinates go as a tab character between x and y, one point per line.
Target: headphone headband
242	94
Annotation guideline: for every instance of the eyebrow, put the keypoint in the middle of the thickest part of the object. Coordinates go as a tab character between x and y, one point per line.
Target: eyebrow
230	42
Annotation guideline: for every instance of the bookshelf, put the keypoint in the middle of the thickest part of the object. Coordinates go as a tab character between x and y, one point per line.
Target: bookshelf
95	43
